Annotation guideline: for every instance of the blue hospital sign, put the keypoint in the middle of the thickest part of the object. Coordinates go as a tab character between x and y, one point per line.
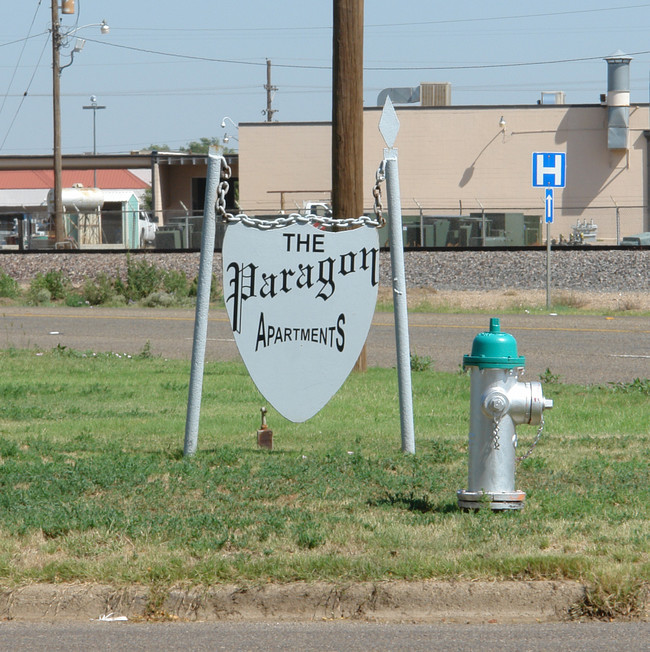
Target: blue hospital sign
549	170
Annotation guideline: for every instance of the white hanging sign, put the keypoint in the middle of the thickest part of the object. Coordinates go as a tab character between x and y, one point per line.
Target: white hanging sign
300	302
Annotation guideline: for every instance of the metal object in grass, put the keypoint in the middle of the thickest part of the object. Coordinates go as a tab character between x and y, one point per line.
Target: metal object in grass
498	403
264	433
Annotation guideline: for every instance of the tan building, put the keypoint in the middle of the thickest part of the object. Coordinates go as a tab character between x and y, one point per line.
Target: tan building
455	160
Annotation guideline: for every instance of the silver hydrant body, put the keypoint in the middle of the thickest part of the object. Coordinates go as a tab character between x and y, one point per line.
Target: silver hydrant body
499	402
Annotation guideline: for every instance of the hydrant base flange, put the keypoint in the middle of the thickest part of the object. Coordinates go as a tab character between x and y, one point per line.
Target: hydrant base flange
496	501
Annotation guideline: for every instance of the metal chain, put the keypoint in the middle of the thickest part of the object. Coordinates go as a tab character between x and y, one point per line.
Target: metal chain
535	441
286	220
495	434
222	190
380	177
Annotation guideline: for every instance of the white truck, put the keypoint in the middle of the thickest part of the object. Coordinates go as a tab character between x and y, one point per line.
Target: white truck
147	226
320	208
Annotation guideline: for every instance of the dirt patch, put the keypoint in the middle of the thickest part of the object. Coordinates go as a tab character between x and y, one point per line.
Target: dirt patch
388	602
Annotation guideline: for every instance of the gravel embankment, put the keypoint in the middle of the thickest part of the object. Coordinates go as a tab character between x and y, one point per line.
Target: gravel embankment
585	270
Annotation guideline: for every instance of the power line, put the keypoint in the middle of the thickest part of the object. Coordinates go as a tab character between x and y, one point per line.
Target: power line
512	17
24	94
243	62
26	38
373	25
20	56
483	66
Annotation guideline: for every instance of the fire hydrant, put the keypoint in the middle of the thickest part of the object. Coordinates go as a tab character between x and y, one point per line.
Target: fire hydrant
498	403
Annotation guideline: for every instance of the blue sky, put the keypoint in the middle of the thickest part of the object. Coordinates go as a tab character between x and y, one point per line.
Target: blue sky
168	72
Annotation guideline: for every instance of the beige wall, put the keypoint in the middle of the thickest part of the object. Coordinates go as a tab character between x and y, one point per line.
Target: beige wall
453	156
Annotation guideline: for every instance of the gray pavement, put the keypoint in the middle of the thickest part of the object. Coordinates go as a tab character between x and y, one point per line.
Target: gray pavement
348	636
579	349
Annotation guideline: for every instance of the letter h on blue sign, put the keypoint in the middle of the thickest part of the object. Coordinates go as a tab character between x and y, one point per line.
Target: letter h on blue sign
549	169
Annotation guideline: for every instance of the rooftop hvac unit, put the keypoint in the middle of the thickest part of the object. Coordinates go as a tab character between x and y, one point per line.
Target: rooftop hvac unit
435	94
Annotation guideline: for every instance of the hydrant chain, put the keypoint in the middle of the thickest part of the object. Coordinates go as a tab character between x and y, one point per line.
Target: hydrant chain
495	434
526	455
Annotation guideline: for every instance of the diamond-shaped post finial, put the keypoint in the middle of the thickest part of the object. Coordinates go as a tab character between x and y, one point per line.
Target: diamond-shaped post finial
389	124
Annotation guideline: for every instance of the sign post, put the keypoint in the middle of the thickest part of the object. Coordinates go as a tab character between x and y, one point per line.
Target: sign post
202	306
388	127
549	205
549	171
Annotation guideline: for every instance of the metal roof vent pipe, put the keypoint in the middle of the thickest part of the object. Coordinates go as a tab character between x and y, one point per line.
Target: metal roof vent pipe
618	100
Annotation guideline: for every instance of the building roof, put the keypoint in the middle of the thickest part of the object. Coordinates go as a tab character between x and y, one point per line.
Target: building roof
44	179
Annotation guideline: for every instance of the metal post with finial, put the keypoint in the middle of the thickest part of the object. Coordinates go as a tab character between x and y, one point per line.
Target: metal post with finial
264	434
389	127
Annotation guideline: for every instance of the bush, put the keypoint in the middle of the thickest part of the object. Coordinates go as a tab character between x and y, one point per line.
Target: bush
142	279
99	290
74	300
215	289
176	283
156	299
38	296
8	286
53	281
420	362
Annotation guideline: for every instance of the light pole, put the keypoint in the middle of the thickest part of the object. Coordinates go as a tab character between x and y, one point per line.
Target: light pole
58	38
95	107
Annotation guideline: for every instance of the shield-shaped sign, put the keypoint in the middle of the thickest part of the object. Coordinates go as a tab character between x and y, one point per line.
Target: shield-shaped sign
300	302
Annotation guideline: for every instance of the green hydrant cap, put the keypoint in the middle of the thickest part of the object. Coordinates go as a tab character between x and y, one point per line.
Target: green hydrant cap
494	350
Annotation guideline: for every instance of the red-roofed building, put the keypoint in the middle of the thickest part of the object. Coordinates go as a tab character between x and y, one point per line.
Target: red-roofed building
177	181
29	188
106	179
114	221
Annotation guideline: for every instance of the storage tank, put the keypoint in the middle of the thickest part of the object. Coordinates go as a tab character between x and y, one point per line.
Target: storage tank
78	199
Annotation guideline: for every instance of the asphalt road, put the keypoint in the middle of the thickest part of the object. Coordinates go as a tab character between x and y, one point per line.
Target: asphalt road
579	349
574	637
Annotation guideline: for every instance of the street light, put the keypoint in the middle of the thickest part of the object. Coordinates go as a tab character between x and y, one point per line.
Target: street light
226	137
60	39
95	107
232	122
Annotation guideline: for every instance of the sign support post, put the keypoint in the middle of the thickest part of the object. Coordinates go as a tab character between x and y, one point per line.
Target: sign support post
549	206
548	265
389	126
399	301
549	171
202	305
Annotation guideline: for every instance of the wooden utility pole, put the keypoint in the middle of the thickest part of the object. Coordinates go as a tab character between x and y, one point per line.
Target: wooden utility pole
59	227
347	116
270	89
347	109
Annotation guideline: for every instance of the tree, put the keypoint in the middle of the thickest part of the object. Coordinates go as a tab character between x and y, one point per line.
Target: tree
201	146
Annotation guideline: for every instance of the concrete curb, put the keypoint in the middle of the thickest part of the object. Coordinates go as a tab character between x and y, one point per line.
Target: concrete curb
386	602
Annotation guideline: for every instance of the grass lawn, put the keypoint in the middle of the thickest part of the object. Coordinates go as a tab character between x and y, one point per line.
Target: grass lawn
94	486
